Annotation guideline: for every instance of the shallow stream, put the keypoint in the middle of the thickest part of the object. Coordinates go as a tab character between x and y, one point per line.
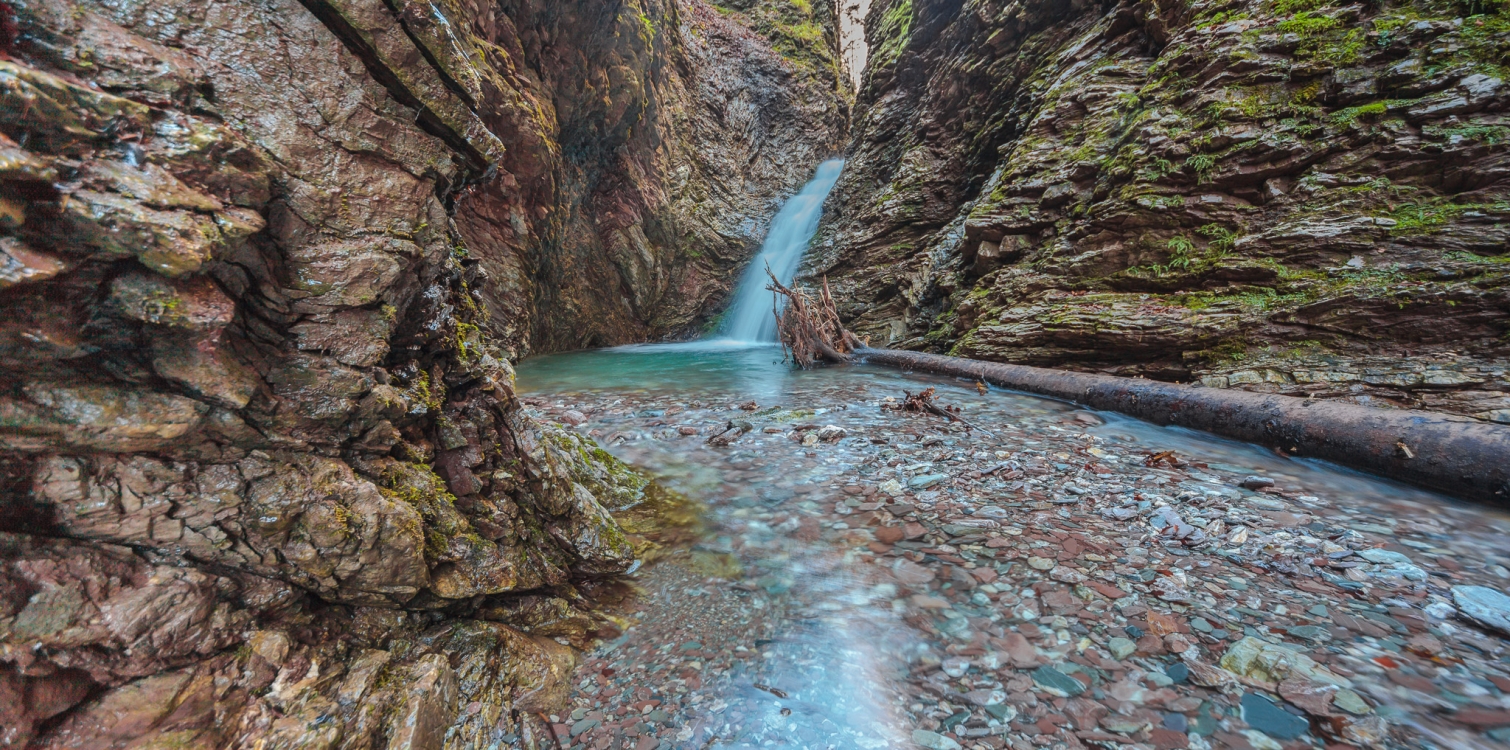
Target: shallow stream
906	581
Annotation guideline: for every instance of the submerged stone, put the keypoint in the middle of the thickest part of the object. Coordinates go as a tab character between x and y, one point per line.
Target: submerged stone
933	740
1057	682
1265	716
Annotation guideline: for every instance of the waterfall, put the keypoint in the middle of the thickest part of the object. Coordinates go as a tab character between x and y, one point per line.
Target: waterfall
749	317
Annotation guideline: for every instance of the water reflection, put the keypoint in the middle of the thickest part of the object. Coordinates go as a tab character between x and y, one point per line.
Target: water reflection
698	369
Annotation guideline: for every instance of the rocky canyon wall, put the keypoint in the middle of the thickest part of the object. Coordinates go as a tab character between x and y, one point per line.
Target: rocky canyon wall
1299	196
677	141
264	264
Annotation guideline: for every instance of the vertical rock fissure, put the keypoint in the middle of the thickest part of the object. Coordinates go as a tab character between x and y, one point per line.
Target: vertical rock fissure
852	43
424	115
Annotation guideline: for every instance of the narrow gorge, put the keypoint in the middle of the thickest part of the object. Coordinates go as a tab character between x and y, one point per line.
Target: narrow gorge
400	374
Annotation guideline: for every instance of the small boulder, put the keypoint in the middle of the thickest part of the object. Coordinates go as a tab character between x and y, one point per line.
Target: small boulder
1269	662
1256	483
831	433
1121	648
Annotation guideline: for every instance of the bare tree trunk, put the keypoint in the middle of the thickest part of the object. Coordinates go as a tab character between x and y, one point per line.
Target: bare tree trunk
1454	455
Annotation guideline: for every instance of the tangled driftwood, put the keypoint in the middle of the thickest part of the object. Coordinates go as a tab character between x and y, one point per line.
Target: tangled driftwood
809	328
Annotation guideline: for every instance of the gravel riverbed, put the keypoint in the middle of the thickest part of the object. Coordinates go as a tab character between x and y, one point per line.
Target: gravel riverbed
1052	578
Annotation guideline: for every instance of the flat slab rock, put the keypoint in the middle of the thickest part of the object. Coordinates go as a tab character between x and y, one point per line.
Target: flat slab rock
1268	717
1057	682
1484	606
933	740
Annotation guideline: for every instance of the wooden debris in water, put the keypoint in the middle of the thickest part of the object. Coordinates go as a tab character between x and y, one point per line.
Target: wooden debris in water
1165	457
922	403
809	328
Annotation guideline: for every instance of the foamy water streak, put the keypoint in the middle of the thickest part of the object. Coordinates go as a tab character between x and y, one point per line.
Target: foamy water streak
749	317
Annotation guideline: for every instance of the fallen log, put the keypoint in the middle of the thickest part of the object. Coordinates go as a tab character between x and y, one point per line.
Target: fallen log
1458	456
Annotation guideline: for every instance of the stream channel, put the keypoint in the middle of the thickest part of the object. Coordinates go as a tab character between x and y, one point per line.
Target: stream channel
1036	575
911	574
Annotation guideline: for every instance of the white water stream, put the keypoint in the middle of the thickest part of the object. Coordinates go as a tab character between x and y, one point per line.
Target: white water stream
749	317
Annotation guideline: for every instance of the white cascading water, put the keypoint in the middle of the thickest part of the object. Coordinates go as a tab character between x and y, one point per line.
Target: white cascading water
749	317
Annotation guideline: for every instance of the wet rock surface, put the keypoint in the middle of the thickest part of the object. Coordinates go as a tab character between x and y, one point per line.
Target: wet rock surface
674	147
264	479
1074	580
1306	198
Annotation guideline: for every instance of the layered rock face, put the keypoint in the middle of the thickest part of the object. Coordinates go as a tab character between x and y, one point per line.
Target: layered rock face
680	130
263	266
1300	196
